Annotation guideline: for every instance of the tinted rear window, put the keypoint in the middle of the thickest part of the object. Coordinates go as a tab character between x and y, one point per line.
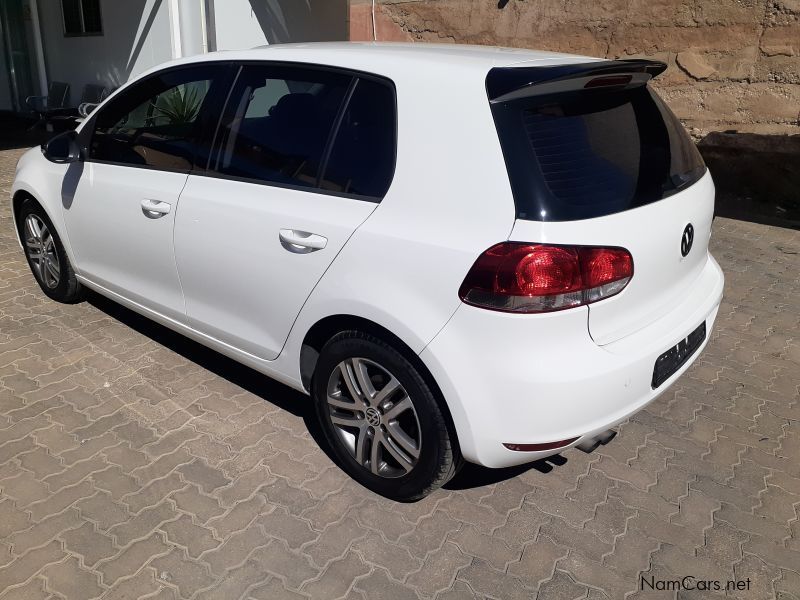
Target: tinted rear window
592	153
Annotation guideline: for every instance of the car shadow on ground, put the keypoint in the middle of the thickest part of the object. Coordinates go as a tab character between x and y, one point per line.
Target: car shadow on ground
472	476
280	395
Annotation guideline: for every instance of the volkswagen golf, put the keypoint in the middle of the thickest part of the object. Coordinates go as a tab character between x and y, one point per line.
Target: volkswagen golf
460	253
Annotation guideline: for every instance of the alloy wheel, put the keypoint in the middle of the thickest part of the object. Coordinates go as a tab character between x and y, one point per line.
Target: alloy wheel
374	417
41	249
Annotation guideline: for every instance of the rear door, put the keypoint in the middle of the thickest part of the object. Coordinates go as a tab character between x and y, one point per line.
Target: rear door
596	158
302	157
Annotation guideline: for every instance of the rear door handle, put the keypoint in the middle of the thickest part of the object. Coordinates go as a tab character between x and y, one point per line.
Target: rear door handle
155	209
301	242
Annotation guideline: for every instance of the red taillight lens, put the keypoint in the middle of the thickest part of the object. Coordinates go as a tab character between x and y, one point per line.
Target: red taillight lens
544	270
519	277
604	265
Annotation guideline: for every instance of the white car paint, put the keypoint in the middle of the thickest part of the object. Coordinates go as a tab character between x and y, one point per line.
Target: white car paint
214	269
121	245
253	306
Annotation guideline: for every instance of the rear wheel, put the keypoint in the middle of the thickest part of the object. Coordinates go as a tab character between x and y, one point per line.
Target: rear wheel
46	255
381	419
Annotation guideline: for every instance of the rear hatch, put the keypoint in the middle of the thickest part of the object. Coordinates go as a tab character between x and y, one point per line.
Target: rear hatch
596	158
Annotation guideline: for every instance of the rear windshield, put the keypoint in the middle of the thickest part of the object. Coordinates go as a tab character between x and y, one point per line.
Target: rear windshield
591	153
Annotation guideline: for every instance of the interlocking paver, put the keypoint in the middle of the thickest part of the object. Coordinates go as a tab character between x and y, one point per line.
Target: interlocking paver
143	584
235	549
141	525
195	538
273	590
131	470
25	488
92	546
34	589
376	550
21	569
291	566
71	581
179	570
11	519
295	531
43	531
338	577
439	570
132	558
206	477
239	517
537	562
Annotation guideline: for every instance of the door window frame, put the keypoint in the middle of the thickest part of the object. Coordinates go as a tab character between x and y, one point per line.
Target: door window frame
212	105
230	104
219	107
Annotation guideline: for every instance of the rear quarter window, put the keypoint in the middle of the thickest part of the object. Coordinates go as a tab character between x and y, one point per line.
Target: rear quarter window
362	157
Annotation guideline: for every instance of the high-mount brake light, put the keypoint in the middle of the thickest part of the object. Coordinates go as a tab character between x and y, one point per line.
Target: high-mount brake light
534	278
608	81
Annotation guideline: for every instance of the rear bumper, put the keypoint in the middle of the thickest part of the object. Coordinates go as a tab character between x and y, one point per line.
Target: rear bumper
534	379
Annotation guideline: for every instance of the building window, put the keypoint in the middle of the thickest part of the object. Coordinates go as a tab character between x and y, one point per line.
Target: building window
82	17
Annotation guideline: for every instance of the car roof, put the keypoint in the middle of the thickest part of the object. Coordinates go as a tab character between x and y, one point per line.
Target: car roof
389	56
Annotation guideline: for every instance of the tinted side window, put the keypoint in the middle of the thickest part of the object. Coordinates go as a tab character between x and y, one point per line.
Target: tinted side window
156	122
363	154
278	122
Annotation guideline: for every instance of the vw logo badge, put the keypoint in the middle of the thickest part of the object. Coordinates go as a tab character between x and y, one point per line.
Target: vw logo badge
687	239
373	417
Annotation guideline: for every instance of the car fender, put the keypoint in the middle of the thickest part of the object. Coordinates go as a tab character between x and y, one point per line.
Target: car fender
49	184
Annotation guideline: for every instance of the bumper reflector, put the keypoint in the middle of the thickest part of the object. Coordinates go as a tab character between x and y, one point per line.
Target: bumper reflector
539	447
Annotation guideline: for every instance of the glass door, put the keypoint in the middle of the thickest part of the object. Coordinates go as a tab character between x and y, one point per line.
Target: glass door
17	60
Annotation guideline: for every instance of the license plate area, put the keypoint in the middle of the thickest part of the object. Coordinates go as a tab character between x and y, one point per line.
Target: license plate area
674	358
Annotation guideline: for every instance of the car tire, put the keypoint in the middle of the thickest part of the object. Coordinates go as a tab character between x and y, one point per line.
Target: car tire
45	254
401	422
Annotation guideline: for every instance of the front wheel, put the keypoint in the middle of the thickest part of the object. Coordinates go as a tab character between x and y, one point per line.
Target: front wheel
381	419
46	255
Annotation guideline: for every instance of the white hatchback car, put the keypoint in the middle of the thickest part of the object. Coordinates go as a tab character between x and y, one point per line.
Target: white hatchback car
458	252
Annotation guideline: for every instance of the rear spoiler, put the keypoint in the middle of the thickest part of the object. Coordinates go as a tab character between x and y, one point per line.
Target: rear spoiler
509	83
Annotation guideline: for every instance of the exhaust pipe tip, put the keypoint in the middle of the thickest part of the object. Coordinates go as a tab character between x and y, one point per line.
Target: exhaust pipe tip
590	444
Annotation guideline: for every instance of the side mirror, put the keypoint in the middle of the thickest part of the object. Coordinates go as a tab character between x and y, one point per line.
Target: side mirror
63	148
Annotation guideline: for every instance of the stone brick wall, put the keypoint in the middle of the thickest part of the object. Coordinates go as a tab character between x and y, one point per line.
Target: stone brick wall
733	64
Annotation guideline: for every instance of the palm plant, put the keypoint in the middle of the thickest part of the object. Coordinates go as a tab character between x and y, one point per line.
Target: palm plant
180	105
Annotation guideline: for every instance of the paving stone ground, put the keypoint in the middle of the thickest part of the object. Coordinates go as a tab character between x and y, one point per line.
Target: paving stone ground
136	464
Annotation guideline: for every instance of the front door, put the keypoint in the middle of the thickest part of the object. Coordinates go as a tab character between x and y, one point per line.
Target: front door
303	156
140	149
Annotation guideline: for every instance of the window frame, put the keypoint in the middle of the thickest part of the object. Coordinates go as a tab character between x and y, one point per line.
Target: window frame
82	32
228	71
356	75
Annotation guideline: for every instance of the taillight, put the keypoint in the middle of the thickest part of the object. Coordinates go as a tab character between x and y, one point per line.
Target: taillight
530	278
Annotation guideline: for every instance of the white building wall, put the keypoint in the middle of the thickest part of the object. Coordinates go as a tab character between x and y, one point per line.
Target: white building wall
136	36
139	34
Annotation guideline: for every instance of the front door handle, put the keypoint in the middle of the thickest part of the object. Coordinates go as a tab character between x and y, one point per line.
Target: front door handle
155	209
301	242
